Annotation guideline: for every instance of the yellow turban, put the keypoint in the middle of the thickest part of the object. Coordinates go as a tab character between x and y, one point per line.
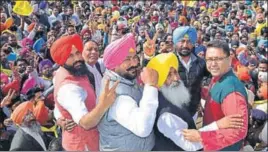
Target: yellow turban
162	64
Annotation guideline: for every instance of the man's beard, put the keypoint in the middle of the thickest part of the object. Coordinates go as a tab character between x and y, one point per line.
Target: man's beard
81	70
177	94
184	51
33	126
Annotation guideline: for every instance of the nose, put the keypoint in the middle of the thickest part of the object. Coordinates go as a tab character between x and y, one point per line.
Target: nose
185	44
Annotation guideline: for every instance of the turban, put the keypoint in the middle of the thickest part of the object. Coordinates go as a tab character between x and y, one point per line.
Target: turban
183	19
263	43
263	91
262	76
21	111
159	26
43	5
259	16
239	50
180	32
26	41
84	31
162	64
43	63
216	14
174	25
23	51
154	18
243	73
41	112
28	84
116	52
61	49
4	78
259	114
229	28
15	85
200	49
30	27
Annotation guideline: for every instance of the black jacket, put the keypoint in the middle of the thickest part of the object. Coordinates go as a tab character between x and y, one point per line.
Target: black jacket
193	80
24	142
162	143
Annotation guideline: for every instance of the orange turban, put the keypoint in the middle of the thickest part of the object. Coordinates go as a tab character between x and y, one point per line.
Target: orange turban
240	49
243	73
61	48
263	91
41	112
2	27
30	27
20	112
183	19
15	85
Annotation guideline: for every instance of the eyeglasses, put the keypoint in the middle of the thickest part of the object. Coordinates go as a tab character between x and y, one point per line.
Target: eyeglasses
218	59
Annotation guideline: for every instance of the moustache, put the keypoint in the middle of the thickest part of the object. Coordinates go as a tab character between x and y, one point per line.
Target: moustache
80	61
133	67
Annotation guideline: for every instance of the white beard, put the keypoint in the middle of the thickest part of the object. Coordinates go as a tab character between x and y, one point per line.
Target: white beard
177	94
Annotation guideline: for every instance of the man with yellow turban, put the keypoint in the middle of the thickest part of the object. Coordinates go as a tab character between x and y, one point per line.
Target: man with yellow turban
128	124
171	117
29	136
75	97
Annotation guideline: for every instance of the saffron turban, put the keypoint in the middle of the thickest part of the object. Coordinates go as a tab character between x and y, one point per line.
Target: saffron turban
243	73
117	51
14	85
43	63
41	112
162	64
61	49
21	111
184	31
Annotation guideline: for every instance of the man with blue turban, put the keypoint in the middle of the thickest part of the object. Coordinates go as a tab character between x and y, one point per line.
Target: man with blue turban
192	68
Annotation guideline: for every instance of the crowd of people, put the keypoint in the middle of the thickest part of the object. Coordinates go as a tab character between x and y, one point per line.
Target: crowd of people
133	75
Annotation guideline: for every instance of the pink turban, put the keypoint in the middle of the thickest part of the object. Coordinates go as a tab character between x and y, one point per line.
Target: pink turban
4	78
117	51
23	51
28	84
26	41
259	16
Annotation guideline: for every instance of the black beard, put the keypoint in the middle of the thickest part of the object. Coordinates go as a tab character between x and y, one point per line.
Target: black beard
184	52
129	76
81	71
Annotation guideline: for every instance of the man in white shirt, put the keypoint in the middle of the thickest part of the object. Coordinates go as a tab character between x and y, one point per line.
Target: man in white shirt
54	17
74	96
128	124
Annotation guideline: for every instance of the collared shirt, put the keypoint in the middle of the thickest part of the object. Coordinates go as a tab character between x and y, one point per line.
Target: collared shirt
188	64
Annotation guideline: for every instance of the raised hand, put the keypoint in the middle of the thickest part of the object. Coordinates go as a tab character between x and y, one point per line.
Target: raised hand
108	96
231	121
149	76
7	100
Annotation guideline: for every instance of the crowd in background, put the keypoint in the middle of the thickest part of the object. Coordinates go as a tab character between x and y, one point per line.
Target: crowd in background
28	31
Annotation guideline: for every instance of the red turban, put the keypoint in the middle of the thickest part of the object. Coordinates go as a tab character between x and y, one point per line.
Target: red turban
20	112
15	85
41	112
84	31
61	48
243	73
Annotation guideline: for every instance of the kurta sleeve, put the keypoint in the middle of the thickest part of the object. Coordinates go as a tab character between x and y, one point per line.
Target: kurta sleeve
234	103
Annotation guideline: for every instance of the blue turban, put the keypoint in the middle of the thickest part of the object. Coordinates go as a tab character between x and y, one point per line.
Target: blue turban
229	28
199	49
263	42
182	31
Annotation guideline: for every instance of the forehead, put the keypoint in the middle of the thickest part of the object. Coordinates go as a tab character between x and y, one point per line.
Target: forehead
74	50
131	54
214	52
90	44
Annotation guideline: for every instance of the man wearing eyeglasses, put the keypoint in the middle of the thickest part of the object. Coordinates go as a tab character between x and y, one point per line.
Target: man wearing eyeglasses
225	96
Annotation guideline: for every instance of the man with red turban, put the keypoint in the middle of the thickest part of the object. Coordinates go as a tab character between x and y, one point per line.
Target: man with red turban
29	136
75	97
